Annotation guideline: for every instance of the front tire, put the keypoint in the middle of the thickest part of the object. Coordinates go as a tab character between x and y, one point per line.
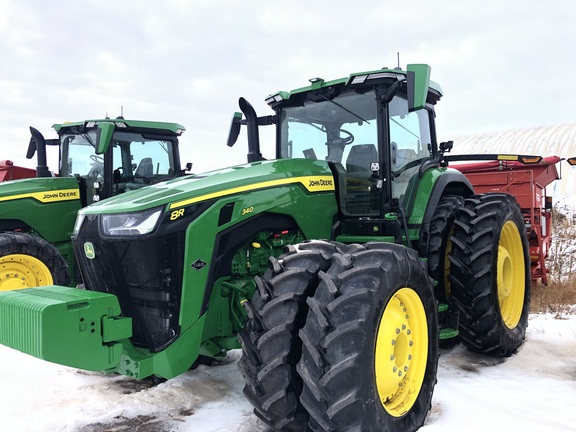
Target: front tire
370	343
271	347
490	274
28	261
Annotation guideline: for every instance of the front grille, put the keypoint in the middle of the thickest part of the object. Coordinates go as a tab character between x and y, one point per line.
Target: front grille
144	273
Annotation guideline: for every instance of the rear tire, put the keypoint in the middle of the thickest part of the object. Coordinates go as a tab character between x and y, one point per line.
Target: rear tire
28	261
436	244
370	343
490	274
271	347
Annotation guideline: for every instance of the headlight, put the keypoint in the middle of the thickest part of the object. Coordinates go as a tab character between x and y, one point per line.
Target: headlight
77	224
130	224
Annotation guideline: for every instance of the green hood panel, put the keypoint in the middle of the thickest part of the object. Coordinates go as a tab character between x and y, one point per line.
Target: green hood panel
44	190
314	176
46	205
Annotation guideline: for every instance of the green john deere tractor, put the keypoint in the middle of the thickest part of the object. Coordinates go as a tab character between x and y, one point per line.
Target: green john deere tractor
98	159
336	266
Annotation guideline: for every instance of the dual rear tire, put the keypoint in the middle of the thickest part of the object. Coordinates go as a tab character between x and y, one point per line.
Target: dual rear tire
352	345
345	337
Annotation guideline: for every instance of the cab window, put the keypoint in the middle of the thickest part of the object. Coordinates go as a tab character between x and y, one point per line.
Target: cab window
410	145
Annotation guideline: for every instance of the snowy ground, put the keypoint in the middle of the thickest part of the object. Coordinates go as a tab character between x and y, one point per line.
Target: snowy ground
533	390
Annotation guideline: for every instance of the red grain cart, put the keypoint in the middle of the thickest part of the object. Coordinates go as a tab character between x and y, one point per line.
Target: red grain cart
9	171
525	178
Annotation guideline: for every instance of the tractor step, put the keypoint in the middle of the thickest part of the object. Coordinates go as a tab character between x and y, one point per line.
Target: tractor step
448	320
68	326
448	333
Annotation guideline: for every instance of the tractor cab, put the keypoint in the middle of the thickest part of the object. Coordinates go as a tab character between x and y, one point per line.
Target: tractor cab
108	157
376	132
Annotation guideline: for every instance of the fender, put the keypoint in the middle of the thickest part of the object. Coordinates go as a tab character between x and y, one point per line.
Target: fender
450	183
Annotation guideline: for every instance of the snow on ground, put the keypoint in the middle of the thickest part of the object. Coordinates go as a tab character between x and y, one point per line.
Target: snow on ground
534	389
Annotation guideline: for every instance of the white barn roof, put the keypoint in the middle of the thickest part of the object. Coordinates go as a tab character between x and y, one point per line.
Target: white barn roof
557	140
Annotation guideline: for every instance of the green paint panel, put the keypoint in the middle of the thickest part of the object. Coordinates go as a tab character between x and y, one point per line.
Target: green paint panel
167	126
168	363
241	179
64	325
423	193
37	203
106	132
447	333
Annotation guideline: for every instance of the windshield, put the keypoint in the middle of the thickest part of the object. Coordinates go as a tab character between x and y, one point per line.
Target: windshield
78	155
327	130
143	156
132	153
137	160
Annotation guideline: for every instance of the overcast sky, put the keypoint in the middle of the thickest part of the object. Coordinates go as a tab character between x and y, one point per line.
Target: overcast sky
502	64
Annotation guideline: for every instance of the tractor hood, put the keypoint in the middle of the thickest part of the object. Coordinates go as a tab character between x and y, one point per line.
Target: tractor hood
313	175
48	205
42	190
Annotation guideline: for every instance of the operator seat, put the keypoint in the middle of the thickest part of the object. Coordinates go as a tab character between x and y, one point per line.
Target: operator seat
142	174
360	158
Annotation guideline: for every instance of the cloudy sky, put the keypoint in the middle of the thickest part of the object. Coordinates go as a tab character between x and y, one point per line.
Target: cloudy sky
502	64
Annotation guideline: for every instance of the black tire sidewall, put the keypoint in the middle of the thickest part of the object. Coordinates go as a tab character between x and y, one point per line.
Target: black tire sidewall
13	243
475	279
417	414
435	240
280	309
361	313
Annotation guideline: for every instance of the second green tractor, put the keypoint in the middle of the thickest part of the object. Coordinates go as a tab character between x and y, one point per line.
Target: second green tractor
338	266
98	158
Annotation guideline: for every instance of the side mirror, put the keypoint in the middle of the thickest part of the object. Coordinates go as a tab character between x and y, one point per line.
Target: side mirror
235	126
445	147
572	161
418	80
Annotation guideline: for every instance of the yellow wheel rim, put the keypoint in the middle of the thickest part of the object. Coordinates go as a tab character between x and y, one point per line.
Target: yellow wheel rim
23	271
510	275
401	352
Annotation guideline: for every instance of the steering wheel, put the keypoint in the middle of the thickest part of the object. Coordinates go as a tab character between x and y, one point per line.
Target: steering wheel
97	159
335	137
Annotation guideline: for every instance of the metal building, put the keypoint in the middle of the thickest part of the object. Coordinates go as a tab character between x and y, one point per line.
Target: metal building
558	140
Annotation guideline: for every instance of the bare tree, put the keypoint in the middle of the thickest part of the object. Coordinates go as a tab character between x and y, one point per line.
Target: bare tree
562	259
